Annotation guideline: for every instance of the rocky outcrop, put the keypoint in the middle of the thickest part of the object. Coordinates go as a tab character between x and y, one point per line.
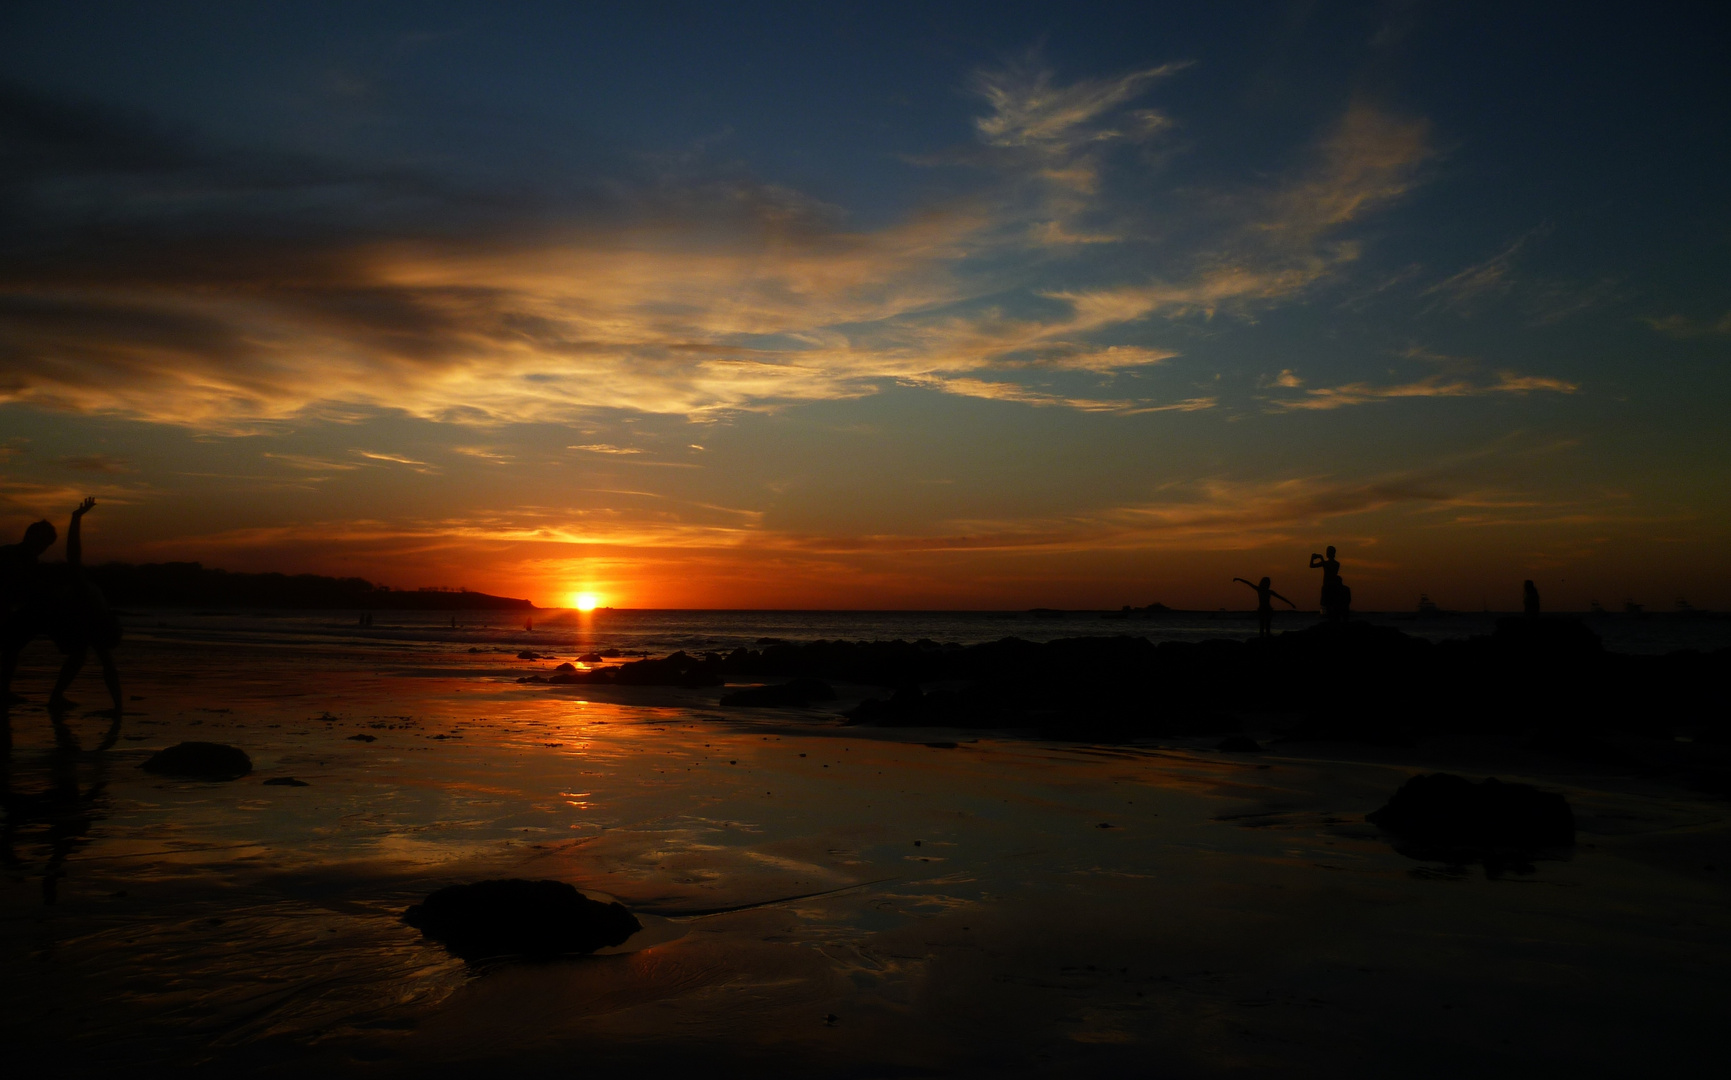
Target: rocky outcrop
796	694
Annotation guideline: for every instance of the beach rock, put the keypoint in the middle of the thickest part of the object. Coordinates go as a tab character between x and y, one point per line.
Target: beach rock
285	781
520	918
528	654
566	668
1239	744
200	761
1447	817
592	658
363	738
799	692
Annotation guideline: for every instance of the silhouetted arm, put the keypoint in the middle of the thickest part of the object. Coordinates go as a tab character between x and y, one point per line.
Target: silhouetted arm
74	534
1257	588
1315	560
1277	596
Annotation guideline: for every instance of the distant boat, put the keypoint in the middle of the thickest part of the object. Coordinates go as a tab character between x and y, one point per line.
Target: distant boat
1427	606
1632	608
1595	607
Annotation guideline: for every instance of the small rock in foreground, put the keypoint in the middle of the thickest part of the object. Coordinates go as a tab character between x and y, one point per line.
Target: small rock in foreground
285	781
520	918
1442	816
200	761
363	738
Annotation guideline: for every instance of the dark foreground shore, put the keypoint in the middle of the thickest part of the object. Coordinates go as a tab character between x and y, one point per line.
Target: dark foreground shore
928	886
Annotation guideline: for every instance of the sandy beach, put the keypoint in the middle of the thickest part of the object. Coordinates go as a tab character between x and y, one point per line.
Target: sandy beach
822	898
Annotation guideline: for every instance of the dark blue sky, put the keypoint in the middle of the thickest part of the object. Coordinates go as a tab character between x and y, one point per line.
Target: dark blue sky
1448	280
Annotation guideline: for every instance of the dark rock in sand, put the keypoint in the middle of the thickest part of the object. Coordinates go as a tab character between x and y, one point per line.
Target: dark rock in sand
362	738
1239	744
201	761
285	781
797	693
520	918
591	658
566	668
528	654
1449	818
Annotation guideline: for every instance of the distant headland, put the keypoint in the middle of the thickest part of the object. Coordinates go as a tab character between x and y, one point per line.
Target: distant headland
190	584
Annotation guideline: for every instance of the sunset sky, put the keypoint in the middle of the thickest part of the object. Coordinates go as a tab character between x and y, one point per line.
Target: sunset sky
880	305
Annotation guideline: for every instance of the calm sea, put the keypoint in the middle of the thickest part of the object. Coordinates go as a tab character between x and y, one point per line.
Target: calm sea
661	632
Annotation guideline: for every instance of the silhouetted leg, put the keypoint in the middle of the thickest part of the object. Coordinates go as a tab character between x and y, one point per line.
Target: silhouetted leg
68	672
8	665
111	677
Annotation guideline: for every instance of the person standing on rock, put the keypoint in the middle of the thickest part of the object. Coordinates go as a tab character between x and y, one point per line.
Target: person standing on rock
23	598
81	621
1265	596
1336	597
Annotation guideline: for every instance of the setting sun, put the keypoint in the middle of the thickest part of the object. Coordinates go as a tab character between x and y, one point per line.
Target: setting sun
584	601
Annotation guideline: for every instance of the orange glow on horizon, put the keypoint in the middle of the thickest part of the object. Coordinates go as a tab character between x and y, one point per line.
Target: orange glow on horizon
584	601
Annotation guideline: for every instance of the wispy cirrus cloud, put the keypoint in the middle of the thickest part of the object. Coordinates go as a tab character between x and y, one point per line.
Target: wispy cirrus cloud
1681	326
1431	386
695	301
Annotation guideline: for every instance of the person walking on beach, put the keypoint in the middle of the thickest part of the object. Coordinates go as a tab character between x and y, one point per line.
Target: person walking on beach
23	597
80	620
1265	596
1336	597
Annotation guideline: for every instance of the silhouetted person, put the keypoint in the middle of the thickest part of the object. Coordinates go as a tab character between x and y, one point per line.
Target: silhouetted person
80	620
1265	605
23	597
1530	599
1336	597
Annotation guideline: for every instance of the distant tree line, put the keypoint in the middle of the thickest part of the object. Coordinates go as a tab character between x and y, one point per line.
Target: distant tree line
190	584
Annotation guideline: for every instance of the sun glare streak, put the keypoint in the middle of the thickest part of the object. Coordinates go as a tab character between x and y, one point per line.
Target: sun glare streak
584	601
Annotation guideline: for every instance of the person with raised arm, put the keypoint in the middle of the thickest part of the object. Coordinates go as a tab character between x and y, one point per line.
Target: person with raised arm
23	598
80	620
1265	596
1336	597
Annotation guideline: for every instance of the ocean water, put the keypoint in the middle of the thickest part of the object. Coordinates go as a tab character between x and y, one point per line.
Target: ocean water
662	632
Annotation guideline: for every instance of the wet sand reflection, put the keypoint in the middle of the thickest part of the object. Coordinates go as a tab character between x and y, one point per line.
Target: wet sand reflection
983	906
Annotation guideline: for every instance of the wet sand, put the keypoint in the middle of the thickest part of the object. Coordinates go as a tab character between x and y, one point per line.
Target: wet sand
1002	906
